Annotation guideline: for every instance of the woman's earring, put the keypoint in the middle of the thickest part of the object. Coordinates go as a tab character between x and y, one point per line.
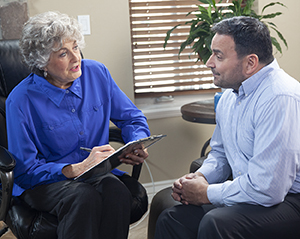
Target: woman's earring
45	74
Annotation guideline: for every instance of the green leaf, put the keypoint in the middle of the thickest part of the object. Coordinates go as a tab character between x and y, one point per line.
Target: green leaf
272	4
205	54
198	32
182	47
237	7
228	15
169	34
271	24
204	15
247	9
213	3
203	9
189	13
208	40
209	11
204	1
280	36
276	44
272	15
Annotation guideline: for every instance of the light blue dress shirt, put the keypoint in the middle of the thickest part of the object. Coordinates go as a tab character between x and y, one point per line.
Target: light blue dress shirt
46	125
257	139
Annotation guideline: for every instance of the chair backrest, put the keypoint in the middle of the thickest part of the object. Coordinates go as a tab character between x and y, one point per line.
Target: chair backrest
12	71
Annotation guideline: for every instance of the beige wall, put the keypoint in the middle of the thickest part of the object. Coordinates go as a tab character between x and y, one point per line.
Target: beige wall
110	44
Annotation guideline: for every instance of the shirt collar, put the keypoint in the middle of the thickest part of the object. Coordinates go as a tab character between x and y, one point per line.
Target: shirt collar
76	89
54	93
250	84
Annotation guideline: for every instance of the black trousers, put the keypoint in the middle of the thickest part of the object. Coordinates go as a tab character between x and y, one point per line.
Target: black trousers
245	221
96	208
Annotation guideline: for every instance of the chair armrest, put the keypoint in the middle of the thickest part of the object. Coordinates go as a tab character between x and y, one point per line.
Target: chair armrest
204	148
7	164
196	164
115	135
139	195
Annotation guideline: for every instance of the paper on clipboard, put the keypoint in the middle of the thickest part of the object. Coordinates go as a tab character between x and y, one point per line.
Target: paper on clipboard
113	160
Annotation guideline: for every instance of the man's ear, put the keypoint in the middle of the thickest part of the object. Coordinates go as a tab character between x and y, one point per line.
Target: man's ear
251	65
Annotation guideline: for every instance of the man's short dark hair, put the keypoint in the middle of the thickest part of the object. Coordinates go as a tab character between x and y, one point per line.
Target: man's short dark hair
250	35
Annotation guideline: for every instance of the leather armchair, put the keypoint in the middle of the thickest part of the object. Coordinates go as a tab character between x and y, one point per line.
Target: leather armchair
163	199
24	221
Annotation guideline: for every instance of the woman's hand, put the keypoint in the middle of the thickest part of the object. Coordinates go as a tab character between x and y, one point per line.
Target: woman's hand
97	155
136	157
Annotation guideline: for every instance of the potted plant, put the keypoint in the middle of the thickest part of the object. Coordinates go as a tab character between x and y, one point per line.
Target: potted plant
200	34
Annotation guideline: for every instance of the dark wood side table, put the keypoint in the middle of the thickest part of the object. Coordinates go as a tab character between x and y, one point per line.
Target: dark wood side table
199	112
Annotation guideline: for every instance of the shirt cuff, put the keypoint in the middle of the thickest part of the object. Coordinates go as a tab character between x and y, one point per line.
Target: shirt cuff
206	171
214	194
56	171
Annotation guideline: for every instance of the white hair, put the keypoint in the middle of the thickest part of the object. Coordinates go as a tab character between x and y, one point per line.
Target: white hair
45	33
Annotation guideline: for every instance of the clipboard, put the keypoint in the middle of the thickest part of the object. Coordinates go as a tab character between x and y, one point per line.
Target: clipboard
113	160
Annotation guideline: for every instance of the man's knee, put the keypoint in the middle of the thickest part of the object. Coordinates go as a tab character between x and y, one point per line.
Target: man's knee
162	227
170	217
212	217
212	224
180	221
163	218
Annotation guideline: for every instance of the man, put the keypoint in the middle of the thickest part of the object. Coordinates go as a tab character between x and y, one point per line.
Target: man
256	140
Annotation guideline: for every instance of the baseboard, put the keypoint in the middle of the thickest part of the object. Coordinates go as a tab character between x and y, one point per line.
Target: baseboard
153	188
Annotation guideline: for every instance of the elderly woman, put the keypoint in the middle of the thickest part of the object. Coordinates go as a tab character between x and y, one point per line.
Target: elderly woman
67	103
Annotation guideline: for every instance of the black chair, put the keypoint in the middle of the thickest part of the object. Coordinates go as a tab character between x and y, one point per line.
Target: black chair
163	199
22	220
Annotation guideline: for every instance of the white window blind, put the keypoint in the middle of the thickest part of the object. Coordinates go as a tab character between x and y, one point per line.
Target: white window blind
158	71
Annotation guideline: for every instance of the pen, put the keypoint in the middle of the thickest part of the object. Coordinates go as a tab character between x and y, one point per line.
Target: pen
86	149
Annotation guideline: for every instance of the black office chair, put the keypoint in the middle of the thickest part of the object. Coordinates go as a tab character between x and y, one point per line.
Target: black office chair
22	220
163	199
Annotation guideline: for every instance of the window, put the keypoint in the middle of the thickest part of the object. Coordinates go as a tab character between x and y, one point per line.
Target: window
158	71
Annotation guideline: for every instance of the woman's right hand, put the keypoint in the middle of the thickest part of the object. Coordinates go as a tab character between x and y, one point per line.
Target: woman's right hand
97	155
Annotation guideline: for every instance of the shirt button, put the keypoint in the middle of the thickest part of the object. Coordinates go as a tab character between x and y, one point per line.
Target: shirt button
73	110
81	132
95	108
67	91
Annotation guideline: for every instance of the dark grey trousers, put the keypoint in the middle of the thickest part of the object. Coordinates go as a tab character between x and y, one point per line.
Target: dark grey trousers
242	221
97	208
